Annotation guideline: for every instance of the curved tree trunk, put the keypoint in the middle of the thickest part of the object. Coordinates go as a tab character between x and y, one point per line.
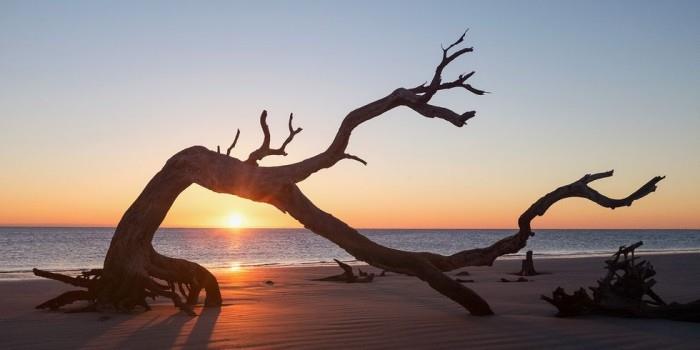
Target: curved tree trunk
133	270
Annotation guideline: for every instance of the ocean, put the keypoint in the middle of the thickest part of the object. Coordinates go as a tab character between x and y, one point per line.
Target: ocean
72	249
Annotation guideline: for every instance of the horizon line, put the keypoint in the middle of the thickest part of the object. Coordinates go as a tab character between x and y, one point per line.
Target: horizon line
357	228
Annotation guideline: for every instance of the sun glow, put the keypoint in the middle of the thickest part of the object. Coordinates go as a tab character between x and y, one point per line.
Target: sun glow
234	266
234	220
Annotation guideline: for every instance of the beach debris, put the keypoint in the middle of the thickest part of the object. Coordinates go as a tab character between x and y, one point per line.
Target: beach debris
528	266
348	276
624	291
269	282
463	281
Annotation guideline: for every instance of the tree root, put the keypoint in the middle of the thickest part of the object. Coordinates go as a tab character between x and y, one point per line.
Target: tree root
126	291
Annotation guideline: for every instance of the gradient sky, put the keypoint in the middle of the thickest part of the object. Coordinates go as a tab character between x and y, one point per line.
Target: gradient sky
95	97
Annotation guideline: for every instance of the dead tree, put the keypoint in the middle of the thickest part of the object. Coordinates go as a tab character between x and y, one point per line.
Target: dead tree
626	290
133	270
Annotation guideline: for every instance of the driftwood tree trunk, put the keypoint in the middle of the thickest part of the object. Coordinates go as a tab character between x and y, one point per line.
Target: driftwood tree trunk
133	270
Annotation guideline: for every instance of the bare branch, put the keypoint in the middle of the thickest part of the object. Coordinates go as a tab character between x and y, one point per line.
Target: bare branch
435	83
228	150
416	98
292	133
459	82
459	41
264	150
512	244
350	156
580	189
431	111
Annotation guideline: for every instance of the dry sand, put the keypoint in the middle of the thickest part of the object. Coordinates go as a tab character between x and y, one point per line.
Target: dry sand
393	312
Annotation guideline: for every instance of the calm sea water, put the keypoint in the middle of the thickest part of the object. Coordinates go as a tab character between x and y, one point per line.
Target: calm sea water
68	249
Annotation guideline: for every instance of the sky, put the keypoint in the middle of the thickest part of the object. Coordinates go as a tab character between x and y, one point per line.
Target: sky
95	97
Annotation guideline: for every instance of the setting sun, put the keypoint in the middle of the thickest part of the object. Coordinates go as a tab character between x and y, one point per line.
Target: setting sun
234	220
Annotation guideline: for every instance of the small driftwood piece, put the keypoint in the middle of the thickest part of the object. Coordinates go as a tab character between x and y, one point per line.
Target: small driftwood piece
463	281
624	291
520	279
528	266
348	276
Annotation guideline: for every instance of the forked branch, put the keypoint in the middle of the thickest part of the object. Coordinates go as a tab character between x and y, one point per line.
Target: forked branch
436	83
416	98
264	150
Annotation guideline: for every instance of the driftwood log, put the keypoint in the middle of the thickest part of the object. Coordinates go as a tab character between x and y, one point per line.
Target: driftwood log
133	270
626	290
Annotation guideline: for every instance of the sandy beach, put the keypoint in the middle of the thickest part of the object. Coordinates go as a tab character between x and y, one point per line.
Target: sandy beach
393	312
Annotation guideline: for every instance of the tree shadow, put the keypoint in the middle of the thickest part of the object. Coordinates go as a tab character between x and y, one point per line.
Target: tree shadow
169	332
201	332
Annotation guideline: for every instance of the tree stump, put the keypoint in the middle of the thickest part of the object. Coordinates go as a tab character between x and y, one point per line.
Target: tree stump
528	266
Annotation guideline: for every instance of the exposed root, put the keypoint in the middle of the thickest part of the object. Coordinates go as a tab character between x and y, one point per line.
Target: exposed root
127	290
624	291
65	299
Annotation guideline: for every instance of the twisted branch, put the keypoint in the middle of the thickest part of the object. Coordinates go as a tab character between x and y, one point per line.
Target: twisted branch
513	244
580	189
